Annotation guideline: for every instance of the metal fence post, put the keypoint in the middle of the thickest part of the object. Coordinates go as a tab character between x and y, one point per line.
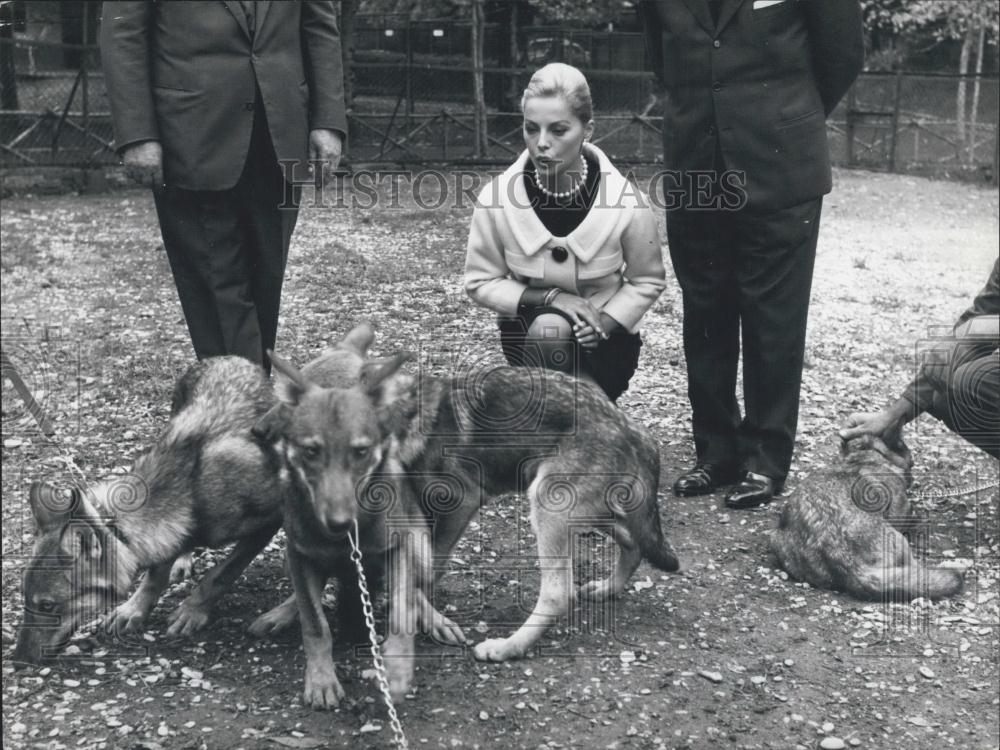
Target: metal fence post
84	54
895	120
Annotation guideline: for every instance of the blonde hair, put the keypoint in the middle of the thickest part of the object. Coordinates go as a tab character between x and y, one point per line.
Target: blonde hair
560	79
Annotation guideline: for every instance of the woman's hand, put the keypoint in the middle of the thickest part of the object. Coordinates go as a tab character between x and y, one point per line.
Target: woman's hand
583	314
588	337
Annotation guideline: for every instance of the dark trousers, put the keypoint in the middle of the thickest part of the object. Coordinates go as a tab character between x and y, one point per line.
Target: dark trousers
611	364
967	400
227	250
745	272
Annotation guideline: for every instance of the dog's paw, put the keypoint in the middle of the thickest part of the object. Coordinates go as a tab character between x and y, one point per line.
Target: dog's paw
183	568
598	590
187	619
274	621
126	618
444	631
399	666
323	689
399	685
495	649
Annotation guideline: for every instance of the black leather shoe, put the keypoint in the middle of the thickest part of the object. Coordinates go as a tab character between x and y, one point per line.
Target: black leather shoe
752	490
704	478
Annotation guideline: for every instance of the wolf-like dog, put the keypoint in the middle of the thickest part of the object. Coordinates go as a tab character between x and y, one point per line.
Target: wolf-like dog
337	367
208	481
843	528
453	442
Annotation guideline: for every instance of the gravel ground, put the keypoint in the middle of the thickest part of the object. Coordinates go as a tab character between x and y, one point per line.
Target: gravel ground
726	654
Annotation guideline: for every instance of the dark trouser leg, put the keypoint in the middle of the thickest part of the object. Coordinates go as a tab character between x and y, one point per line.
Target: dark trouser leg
202	236
776	251
969	403
267	230
227	251
702	255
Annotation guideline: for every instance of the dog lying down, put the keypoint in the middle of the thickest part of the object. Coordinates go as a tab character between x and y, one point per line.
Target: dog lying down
843	529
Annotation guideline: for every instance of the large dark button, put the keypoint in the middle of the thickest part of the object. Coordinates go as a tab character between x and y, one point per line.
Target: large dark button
711	129
716	86
248	106
559	254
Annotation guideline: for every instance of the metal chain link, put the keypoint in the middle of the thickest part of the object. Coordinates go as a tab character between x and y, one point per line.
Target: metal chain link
936	495
366	605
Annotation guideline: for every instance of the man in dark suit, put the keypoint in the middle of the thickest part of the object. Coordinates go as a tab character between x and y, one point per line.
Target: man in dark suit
747	87
222	107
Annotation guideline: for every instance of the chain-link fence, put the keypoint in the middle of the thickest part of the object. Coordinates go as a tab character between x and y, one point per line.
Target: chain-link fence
411	88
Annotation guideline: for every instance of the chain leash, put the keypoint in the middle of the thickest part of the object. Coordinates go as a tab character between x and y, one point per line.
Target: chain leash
366	605
938	495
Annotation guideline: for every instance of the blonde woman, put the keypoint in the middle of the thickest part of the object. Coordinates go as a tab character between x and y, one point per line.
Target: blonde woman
562	246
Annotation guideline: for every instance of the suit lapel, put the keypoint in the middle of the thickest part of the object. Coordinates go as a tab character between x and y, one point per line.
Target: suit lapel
263	6
236	10
699	8
727	11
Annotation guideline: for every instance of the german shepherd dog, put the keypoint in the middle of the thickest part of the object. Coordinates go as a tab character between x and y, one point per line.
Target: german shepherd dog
843	529
581	462
208	481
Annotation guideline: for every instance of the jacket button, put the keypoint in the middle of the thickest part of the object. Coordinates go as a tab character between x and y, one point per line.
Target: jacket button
711	129
559	254
248	106
717	86
716	43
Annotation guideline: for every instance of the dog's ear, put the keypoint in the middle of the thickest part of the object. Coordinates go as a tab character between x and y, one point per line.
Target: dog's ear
858	443
271	426
895	443
844	447
375	376
895	451
359	339
51	508
291	390
81	540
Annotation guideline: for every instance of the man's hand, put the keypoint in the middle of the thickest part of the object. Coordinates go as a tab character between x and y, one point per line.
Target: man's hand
885	424
325	149
144	163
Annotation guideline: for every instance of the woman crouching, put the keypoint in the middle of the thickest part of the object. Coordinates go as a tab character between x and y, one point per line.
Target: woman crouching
563	247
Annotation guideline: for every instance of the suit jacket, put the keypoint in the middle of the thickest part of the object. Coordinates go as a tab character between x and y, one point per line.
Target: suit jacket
187	74
760	83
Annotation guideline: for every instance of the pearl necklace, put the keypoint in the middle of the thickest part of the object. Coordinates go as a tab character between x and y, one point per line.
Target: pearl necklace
565	193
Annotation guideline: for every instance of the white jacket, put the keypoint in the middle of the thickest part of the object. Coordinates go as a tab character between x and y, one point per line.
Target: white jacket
611	261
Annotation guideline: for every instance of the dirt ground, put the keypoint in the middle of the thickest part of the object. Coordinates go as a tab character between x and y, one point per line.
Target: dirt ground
728	653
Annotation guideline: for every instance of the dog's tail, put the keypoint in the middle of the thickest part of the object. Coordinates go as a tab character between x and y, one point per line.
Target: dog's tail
906	582
656	549
647	532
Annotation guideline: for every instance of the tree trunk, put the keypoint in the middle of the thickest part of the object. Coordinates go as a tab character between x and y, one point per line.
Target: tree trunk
974	116
479	113
348	9
963	69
